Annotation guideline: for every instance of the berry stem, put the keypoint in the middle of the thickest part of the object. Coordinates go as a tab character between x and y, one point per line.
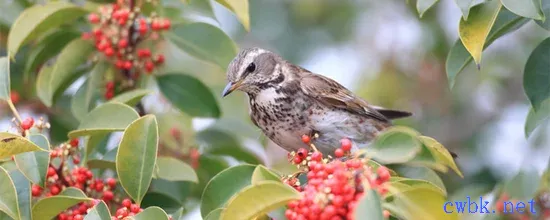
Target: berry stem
14	111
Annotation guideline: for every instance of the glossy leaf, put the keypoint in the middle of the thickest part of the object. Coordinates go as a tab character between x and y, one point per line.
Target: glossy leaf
105	162
369	207
43	85
523	186
473	32
223	186
23	189
98	212
189	95
48	208
151	213
131	98
8	200
73	55
39	19
427	159
441	154
402	184
47	48
420	174
464	6
535	119
262	173
423	5
222	143
214	214
161	200
537	75
11	144
4	79
105	118
172	169
82	101
395	145
525	8
458	57
240	8
421	203
137	155
546	10
34	165
257	199
191	39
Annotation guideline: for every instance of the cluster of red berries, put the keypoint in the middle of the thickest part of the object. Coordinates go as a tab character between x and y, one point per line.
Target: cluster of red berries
126	209
333	187
78	211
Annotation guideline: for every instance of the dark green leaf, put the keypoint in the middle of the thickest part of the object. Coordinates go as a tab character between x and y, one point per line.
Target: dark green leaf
43	85
546	10
151	213
214	214
106	162
23	188
524	185
34	165
48	208
222	143
161	200
196	39
98	212
39	19
131	98
5	79
525	8
105	118
189	95
396	145
535	119
85	96
137	155
369	207
423	5
537	75
223	186
11	144
8	200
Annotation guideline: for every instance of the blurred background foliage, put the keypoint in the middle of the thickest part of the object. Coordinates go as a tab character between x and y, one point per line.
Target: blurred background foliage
381	50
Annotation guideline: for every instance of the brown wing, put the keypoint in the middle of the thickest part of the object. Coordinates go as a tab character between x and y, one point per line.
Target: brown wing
331	93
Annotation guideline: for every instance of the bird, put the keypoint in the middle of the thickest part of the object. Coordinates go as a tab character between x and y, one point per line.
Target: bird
287	102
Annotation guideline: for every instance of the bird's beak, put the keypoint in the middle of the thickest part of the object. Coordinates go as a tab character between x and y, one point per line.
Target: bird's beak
230	87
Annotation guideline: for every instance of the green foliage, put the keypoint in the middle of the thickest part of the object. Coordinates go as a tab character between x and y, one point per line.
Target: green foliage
34	165
4	78
48	208
11	144
369	207
99	212
536	74
8	202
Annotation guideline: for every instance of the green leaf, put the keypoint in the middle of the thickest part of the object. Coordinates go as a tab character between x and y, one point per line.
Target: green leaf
151	213
223	186
23	188
43	85
537	75
464	6
440	153
105	118
420	174
369	207
523	185
257	199
137	155
166	170
98	212
196	39
535	119
47	48
131	98
546	10
395	145
11	144
221	143
105	162
423	5
165	202
473	32
34	165
177	214
48	208
525	8
73	55
5	79
402	184
8	200
214	214
83	100
426	158
40	19
240	8
421	203
189	95
262	173
458	57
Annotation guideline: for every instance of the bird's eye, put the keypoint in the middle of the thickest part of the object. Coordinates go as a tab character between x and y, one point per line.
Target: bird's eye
251	67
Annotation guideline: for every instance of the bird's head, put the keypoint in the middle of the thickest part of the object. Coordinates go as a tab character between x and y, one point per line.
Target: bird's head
252	70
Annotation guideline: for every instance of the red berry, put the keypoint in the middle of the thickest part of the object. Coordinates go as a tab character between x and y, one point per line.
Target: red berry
135	208
119	64
297	160
62	216
27	123
36	190
175	132
51	171
128	65
142	29
160	59
109	95
155	25
74	142
76	159
306	139
109	51
93	18
108	195
99	186
122	212
126	203
78	217
54	190
166	24
98	33
345	144
339	152
122	43
110	85
316	156
14	97
302	152
149	66
144	53
111	182
383	173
